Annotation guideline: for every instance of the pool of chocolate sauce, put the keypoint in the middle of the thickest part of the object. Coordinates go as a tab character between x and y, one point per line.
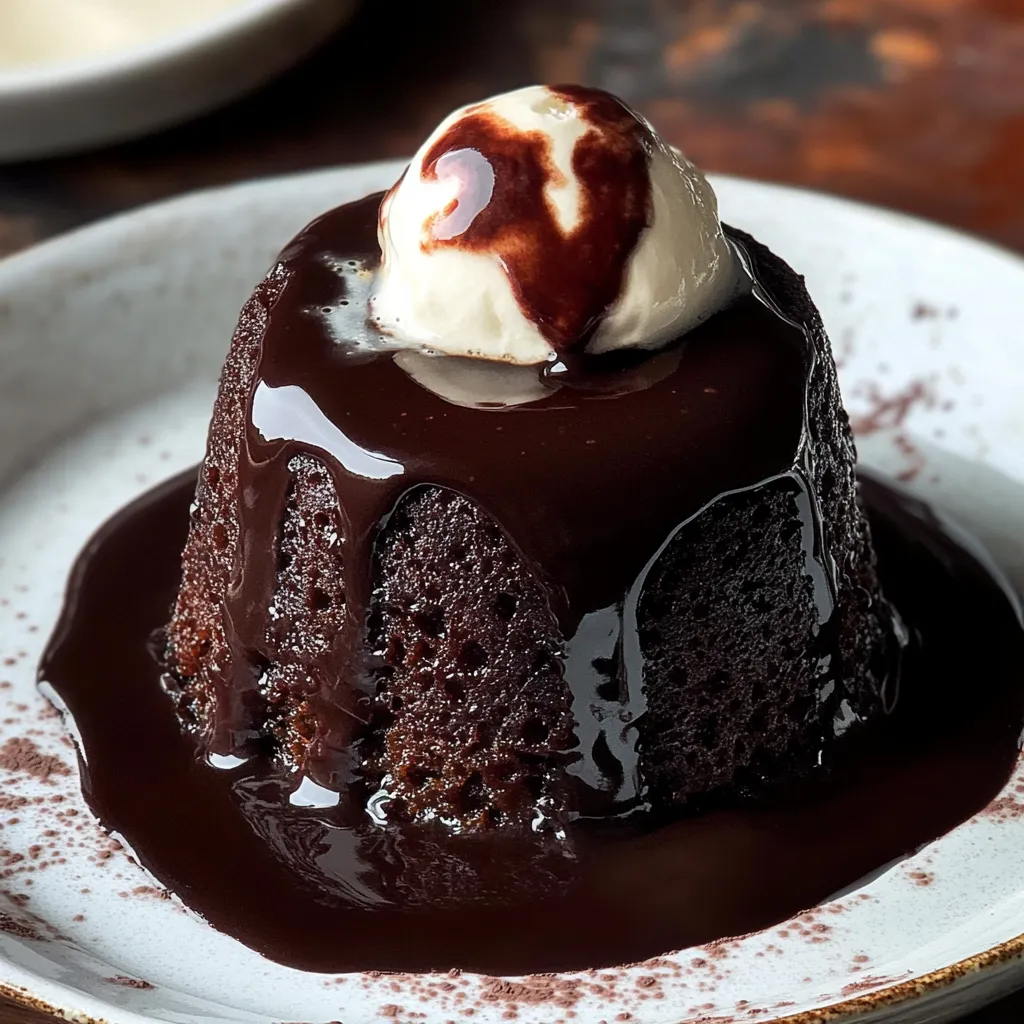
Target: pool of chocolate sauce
303	890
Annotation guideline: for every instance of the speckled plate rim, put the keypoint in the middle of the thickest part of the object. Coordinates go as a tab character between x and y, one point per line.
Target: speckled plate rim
997	961
938	983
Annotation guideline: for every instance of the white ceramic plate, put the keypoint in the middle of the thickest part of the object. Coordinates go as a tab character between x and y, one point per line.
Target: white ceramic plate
110	342
67	106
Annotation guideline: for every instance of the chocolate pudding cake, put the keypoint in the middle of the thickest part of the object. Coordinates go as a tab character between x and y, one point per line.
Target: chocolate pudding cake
529	496
529	619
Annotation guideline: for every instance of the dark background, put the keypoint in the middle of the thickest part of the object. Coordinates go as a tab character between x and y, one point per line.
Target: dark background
916	104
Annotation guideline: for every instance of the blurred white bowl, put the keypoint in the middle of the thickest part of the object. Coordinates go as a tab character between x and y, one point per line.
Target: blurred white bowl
61	107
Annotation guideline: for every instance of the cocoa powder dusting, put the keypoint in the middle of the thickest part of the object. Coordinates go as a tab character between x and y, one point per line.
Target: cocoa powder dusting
1004	809
871	982
125	982
12	926
534	991
885	411
22	756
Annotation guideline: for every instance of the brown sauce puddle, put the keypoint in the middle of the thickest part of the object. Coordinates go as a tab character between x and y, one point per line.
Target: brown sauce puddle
305	892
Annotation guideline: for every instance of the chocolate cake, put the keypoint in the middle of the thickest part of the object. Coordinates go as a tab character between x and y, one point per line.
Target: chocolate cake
642	582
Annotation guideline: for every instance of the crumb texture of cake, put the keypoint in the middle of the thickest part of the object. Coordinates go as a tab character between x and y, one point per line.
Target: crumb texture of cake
474	719
754	659
208	691
308	604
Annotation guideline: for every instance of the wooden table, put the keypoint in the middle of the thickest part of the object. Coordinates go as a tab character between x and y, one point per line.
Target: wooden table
917	104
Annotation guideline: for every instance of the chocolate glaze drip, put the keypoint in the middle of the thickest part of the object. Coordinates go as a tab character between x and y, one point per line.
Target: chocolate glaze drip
502	208
307	889
548	470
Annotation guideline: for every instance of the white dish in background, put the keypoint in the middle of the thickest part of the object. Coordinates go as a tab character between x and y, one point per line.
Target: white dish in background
111	341
60	107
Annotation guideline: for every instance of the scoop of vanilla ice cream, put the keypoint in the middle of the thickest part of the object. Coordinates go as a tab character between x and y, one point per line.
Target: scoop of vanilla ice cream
466	300
682	271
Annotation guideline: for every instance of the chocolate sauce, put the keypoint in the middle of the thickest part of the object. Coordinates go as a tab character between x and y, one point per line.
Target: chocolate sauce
306	891
734	385
502	208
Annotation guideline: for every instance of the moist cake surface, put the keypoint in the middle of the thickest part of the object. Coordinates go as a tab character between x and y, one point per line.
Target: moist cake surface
650	585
